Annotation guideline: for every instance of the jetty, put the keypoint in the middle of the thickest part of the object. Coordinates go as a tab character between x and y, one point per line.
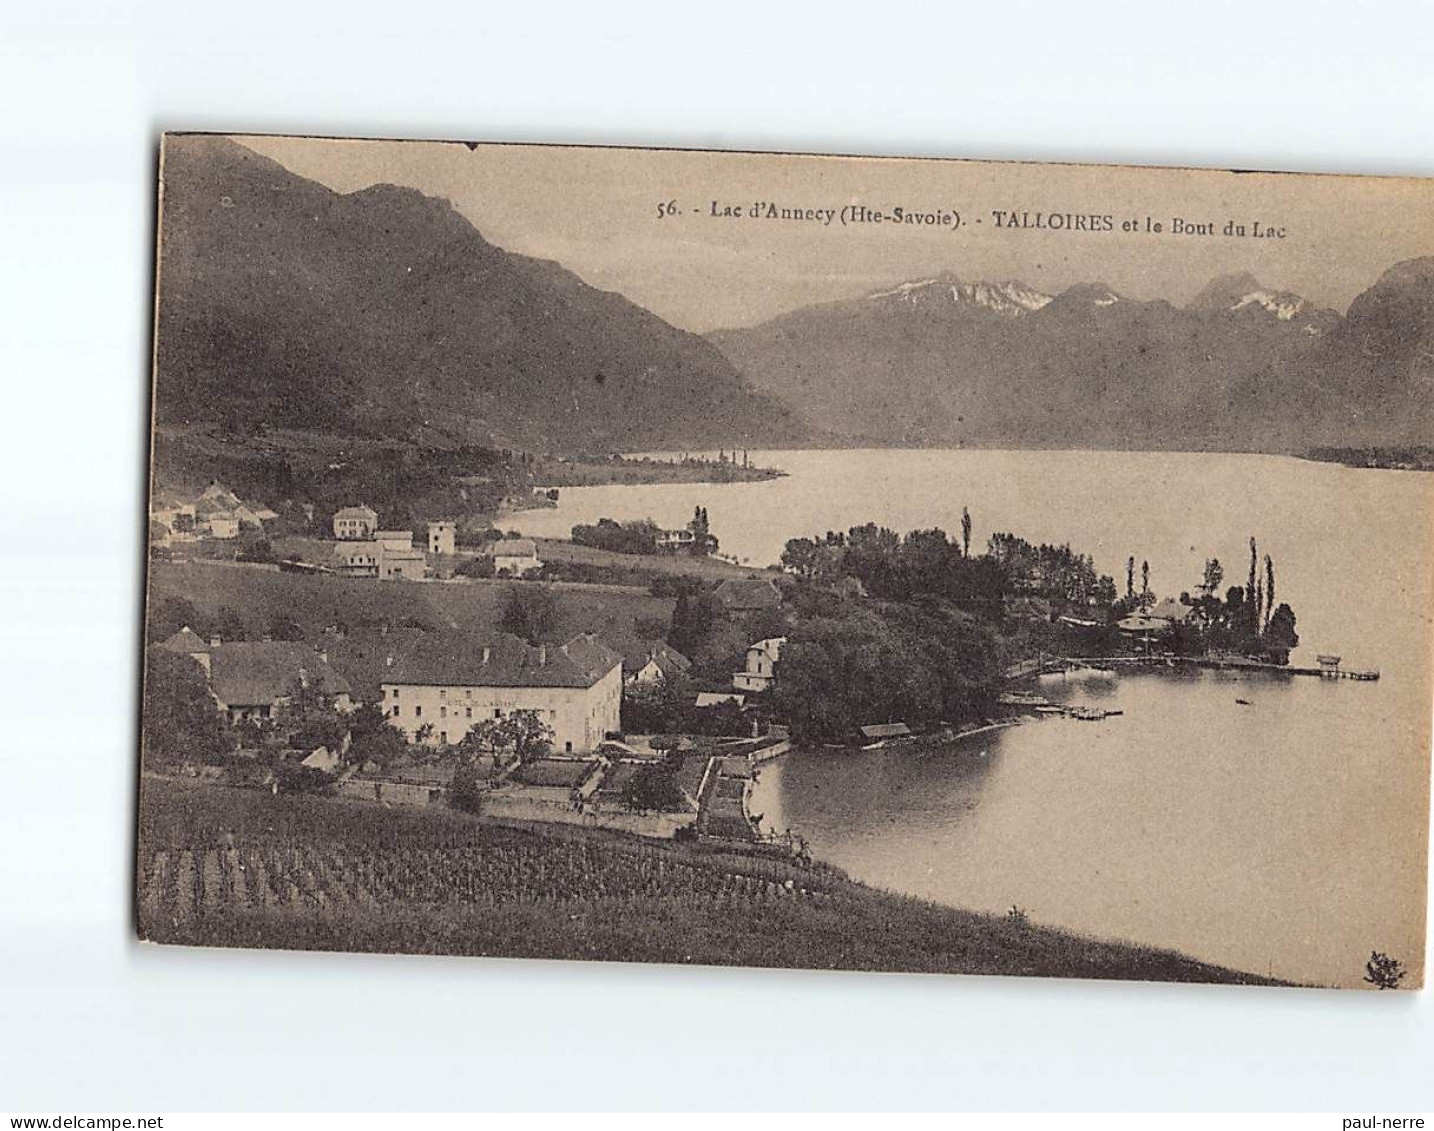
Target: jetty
1327	666
1040	705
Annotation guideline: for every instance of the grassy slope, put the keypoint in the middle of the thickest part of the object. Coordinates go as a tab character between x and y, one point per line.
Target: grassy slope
475	888
316	602
641	568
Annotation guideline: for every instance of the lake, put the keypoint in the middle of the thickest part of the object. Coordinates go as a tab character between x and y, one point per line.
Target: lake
1284	837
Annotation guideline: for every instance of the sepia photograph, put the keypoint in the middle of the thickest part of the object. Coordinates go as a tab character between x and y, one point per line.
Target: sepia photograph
789	561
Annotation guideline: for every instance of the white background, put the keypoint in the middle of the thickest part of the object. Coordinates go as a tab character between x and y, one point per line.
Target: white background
89	1020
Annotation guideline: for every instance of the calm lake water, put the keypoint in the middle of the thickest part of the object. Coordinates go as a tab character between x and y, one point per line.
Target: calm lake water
1283	837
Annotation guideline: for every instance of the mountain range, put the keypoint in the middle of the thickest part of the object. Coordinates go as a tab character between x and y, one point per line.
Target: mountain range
385	313
1241	367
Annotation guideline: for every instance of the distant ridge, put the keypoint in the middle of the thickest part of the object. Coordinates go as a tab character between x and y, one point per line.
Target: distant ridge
1242	367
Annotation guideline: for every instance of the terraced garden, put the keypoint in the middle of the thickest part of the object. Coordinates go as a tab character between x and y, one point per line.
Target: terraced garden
229	867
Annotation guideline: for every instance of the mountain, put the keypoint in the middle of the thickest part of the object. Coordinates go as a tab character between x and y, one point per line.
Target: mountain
1378	368
1243	366
385	312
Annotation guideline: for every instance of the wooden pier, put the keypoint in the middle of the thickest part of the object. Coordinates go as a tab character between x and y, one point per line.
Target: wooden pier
1327	668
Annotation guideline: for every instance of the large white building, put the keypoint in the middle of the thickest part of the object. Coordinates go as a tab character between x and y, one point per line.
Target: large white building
455	680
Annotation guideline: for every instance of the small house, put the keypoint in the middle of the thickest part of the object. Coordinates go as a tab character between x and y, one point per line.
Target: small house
650	666
187	642
356	559
402	565
760	671
223	526
515	556
675	541
252	680
353	523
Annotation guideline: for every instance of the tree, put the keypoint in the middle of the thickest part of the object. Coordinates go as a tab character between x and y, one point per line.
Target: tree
654	789
480	565
375	739
1280	634
521	734
1252	604
703	543
1145	578
965	533
1269	590
229	625
1214	576
465	792
254	547
693	618
800	556
168	615
1130	576
308	718
1383	972
922	663
529	611
182	721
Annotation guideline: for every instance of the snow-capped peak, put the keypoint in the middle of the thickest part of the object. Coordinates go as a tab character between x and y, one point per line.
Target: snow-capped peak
1010	299
1283	306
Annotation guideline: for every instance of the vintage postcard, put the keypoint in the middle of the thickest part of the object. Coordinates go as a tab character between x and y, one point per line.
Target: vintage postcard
795	561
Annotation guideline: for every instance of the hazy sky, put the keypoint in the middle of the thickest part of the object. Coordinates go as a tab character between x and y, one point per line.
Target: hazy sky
596	212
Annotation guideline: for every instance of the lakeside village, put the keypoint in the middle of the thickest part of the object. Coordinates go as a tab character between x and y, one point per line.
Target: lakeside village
644	723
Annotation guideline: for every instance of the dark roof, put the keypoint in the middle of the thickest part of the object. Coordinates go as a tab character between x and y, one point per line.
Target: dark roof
250	674
1171	609
567	772
669	660
885	730
187	642
365	656
739	594
456	659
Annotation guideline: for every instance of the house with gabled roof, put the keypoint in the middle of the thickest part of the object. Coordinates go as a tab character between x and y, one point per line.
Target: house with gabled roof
253	679
352	523
515	556
760	671
187	642
649	665
455	680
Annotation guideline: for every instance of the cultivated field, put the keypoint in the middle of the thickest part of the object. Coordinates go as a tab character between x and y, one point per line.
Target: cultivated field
261	595
642	567
228	867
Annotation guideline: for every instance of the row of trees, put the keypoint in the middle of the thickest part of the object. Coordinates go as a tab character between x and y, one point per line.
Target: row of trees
1053	572
637	537
640	536
1246	619
896	568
